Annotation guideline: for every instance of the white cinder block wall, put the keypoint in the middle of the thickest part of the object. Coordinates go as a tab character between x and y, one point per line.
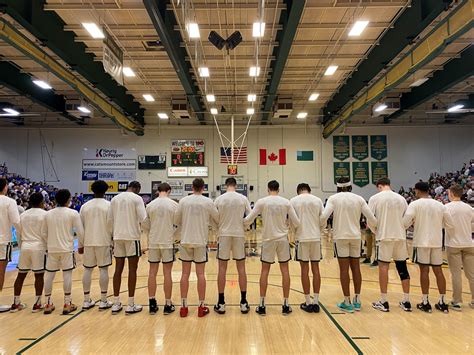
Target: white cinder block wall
413	153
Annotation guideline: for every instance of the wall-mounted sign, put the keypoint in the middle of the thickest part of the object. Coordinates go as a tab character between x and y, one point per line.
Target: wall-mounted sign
152	162
341	147
232	169
341	169
378	147
360	173
187	152
177	171
198	171
360	147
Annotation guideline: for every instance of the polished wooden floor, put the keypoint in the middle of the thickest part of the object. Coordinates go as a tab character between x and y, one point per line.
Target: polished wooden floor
369	331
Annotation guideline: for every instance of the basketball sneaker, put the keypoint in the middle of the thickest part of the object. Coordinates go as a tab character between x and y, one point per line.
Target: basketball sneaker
49	308
425	307
443	307
69	308
471	304
203	311
103	305
357	306
381	306
316	308
286	310
88	305
219	308
168	309
455	306
345	307
366	261
17	307
153	306
116	308
136	308
306	307
262	310
244	308
4	308
37	307
406	306
183	312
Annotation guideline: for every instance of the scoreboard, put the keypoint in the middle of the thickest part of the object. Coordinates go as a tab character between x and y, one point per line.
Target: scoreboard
187	152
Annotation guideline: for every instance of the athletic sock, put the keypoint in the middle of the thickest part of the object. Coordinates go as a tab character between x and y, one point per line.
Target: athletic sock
424	298
168	302
116	299
221	299
383	297
87	297
184	302
151	298
49	300
316	298
38	300
285	302
131	301
441	298
16	300
307	299
357	298
103	296
406	297
262	301
67	299
243	297
202	303
347	300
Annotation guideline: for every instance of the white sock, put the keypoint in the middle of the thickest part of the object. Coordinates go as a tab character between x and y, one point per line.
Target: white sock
103	296
285	301
49	300
347	300
38	300
16	300
307	299
67	299
131	301
168	302
406	297
116	299
184	302
357	298
316	298
202	303
441	298
424	298
87	297
262	301
383	297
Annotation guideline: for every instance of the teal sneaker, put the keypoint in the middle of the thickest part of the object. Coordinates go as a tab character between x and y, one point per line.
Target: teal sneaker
357	306
345	307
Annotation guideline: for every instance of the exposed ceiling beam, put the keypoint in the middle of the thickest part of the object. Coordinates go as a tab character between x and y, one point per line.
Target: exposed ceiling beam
406	28
164	21
454	72
289	19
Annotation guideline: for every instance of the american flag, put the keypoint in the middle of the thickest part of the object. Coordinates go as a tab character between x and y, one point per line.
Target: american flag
240	155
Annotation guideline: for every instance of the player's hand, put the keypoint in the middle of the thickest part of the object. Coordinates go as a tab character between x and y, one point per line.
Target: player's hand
80	250
144	250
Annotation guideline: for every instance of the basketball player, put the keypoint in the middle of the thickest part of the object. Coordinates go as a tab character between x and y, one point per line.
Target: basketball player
32	238
232	207
389	208
62	224
347	208
275	211
308	243
460	248
194	215
160	229
126	213
9	217
429	216
96	245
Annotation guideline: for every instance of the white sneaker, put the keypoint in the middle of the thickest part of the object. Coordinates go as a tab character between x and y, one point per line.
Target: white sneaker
133	309
88	304
116	308
4	308
105	305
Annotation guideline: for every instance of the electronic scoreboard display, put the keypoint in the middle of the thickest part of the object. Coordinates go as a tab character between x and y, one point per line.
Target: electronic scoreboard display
187	152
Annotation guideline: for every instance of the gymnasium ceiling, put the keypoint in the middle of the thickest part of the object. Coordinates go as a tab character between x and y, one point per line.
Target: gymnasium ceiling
301	39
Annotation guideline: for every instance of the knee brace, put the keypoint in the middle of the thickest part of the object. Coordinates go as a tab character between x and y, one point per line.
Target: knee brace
402	270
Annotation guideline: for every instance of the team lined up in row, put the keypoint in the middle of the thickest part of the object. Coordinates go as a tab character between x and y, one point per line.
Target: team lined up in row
120	223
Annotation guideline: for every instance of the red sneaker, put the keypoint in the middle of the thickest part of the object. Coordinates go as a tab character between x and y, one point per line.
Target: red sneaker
203	311
37	308
183	312
49	308
17	307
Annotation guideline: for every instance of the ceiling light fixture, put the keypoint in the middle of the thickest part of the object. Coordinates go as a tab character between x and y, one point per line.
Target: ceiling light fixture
419	82
148	97
380	108
358	28
193	30
313	97
210	98
128	72
11	111
42	84
250	111
84	109
251	97
254	71
258	29
330	70
302	115
214	111
203	72
162	115
93	30
455	108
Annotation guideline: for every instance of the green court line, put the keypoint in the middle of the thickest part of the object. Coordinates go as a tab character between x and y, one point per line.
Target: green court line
27	339
361	338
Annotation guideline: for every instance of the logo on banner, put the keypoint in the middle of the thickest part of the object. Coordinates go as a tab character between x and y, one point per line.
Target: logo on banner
89	175
122	186
108	153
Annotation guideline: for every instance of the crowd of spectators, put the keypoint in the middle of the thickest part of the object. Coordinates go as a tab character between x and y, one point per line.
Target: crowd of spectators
439	185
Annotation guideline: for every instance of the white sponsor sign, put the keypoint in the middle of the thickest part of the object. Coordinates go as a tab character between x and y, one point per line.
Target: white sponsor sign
198	171
109	164
177	188
177	171
117	175
188	171
109	153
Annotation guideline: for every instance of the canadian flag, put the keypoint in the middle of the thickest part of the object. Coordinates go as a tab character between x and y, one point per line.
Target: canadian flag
272	157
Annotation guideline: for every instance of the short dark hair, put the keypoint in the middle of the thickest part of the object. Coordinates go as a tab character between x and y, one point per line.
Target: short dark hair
273	185
62	197
303	187
164	187
134	185
3	183
422	186
36	199
344	180
99	187
230	181
385	181
456	190
198	184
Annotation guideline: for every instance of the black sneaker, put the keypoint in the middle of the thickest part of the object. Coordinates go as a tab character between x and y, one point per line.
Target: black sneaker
381	306
406	306
153	306
443	307
366	261
262	310
375	263
168	309
286	310
306	307
316	308
455	306
425	307
219	308
244	307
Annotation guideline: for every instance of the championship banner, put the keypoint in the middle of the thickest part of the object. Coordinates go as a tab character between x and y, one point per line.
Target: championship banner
360	173
152	162
360	147
112	60
378	147
341	169
187	152
341	147
379	170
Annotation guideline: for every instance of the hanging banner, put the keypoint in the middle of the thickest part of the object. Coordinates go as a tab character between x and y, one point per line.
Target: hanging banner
360	173
152	162
341	170
379	170
378	147
112	60
341	147
360	147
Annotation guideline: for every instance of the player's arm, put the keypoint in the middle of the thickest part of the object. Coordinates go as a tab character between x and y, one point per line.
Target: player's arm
140	210
110	218
78	228
178	215
448	222
295	221
371	220
13	214
255	212
19	230
409	216
328	210
80	248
